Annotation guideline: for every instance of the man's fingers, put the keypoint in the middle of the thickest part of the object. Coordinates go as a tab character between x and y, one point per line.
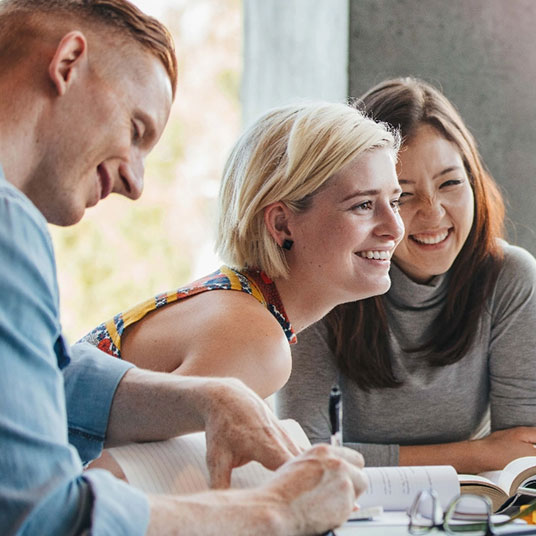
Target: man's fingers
359	480
350	455
276	455
284	446
219	469
292	447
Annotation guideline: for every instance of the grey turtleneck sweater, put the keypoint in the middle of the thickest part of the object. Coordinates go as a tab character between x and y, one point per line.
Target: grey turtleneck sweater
435	405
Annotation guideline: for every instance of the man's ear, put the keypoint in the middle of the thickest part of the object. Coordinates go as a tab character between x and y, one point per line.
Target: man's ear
69	55
277	220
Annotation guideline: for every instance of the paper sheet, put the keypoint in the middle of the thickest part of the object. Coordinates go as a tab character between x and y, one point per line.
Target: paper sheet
395	488
177	466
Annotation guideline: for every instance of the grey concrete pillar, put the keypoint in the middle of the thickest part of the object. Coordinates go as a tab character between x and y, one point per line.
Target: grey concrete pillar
482	53
293	49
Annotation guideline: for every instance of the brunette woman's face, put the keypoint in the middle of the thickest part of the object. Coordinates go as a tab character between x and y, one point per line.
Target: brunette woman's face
437	204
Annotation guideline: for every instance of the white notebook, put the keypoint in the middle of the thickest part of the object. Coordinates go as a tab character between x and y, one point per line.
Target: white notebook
177	466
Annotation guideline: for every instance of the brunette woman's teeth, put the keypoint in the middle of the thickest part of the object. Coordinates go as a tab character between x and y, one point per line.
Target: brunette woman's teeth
430	238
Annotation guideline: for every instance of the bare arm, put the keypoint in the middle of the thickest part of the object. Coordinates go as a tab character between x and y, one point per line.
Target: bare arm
311	494
261	360
215	334
475	456
239	425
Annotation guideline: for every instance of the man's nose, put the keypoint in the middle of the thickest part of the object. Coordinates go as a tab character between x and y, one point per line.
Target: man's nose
130	179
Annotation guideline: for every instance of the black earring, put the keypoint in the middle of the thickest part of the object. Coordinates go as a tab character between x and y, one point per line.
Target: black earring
287	244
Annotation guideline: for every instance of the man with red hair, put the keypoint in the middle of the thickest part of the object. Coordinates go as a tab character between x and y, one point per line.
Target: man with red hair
86	88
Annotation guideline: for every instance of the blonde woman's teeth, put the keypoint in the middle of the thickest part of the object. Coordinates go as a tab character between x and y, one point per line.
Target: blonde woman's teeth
377	255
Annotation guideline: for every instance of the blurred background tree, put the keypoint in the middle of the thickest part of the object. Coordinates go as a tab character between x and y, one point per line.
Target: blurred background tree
123	252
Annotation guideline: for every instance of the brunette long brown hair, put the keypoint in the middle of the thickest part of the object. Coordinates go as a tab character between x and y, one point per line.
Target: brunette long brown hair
359	331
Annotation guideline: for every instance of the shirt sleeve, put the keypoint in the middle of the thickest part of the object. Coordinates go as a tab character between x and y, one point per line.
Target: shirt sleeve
96	375
43	489
512	349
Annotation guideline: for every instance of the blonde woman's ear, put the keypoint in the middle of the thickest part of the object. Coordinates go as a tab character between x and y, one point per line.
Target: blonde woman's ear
276	219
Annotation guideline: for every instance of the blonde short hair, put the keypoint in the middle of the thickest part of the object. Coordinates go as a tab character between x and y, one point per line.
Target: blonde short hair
287	155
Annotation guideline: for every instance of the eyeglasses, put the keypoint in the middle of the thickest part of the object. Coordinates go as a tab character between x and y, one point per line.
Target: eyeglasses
468	514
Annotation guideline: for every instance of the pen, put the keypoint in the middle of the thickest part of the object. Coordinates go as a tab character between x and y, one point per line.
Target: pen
335	415
335	420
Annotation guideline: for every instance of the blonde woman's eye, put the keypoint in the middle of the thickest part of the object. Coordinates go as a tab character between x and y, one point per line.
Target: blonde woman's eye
367	205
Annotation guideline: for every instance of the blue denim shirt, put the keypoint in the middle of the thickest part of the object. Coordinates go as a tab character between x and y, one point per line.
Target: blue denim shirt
54	401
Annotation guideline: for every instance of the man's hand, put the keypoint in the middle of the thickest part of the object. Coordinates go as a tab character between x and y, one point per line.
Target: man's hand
320	488
240	427
152	406
310	494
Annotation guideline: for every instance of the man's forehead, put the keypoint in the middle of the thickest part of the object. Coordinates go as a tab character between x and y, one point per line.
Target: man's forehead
129	61
150	87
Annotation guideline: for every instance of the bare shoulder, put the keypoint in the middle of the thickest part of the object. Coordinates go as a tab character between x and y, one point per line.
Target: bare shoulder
216	333
243	340
242	309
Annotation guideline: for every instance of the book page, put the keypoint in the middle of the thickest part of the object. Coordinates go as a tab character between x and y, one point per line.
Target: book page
177	466
493	476
480	485
480	479
517	472
514	474
395	488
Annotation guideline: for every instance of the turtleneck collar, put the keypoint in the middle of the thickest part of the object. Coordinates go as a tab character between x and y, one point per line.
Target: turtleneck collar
412	295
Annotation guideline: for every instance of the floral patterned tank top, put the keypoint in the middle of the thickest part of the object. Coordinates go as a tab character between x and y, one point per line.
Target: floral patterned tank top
107	336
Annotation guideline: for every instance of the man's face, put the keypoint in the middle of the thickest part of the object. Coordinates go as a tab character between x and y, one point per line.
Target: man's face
98	143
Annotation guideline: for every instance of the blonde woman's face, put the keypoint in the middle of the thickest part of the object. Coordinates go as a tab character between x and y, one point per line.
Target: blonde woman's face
437	205
344	242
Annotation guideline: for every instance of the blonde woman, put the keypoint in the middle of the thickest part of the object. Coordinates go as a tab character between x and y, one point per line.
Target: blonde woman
308	219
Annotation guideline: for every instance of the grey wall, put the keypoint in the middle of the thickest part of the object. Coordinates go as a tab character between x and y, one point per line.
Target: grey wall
482	53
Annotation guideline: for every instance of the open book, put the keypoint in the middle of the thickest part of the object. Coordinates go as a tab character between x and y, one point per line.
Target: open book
500	485
177	466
